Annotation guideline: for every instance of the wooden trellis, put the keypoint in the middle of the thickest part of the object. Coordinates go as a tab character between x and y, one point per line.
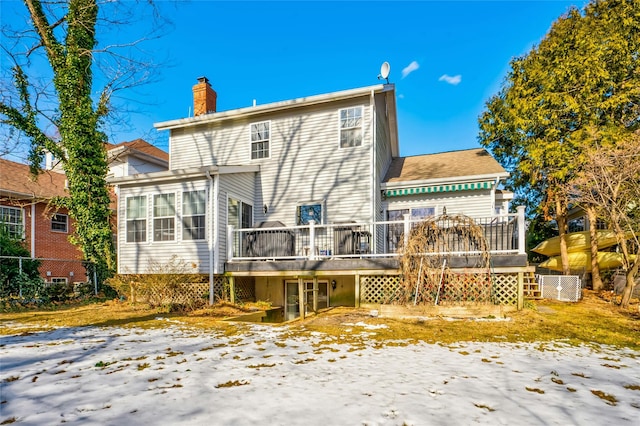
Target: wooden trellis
457	288
379	289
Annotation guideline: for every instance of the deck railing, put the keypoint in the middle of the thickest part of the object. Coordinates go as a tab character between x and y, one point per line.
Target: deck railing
503	234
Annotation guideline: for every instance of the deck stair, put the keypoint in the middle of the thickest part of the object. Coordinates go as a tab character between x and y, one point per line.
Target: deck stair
532	288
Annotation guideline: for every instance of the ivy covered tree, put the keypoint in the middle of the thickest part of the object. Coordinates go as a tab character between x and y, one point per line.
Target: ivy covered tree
582	77
63	113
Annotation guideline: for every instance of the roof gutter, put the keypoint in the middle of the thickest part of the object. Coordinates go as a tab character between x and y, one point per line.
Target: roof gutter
438	181
268	108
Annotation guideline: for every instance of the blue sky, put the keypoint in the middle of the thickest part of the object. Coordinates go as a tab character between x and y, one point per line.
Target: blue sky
447	58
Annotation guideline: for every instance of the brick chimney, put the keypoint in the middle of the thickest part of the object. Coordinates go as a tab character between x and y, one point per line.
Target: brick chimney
204	97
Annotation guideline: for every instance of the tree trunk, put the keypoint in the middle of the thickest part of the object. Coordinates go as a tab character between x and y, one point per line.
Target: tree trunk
596	279
561	219
628	288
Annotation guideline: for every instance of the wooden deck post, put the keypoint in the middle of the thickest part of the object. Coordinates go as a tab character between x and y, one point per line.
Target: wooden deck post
357	283
301	297
232	289
521	230
520	290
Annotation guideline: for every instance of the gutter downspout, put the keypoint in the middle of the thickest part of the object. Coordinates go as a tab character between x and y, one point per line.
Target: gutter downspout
210	236
374	177
493	197
33	231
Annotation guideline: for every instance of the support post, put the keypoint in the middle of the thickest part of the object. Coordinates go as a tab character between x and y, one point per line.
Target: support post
357	285
520	290
229	243
407	229
521	237
301	297
312	239
315	294
232	289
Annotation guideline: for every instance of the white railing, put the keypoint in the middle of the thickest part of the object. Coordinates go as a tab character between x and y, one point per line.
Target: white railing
505	234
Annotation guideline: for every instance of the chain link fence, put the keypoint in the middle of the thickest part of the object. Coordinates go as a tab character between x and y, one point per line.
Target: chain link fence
29	277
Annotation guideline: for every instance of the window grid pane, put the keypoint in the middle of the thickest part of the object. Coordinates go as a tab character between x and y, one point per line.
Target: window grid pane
164	205
260	133
351	127
137	207
59	222
136	230
164	212
193	212
11	217
193	228
163	229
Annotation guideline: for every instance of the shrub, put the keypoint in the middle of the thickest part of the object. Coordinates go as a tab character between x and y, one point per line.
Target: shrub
17	277
168	286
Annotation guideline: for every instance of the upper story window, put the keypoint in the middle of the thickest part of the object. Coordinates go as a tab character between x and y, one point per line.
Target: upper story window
60	223
164	217
12	221
193	215
260	136
136	219
351	127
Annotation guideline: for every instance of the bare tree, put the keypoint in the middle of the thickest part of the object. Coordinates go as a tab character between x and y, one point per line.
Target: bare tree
609	182
62	94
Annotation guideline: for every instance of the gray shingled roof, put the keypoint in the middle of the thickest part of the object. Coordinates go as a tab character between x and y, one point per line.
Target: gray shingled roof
470	162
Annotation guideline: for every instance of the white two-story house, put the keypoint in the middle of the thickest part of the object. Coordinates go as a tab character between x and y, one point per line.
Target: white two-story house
290	198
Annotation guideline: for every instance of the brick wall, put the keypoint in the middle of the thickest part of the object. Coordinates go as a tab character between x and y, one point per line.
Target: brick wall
66	259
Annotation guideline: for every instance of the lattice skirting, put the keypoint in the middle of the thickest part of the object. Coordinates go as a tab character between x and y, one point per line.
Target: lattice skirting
499	289
245	289
182	293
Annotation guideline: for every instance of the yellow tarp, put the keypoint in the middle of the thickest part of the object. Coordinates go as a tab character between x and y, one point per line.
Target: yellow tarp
582	261
576	242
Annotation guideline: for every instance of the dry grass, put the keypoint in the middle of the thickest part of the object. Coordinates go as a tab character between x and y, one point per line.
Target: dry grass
593	320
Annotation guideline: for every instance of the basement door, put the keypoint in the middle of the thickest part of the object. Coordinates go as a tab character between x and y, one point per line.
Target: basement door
314	298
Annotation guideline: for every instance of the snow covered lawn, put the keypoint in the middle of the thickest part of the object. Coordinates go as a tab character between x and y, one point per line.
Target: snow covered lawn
272	376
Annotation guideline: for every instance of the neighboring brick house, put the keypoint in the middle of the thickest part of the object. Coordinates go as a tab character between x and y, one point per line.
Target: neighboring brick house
45	230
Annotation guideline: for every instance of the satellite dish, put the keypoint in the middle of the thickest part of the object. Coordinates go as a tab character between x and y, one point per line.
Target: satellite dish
384	71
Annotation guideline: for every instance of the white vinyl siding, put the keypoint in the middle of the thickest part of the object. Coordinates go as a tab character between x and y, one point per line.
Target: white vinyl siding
305	163
142	258
351	127
239	186
477	203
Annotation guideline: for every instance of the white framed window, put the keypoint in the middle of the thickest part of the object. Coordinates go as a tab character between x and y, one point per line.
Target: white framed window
310	211
164	217
260	137
239	214
136	218
351	127
12	220
194	207
59	280
418	213
60	223
396	230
